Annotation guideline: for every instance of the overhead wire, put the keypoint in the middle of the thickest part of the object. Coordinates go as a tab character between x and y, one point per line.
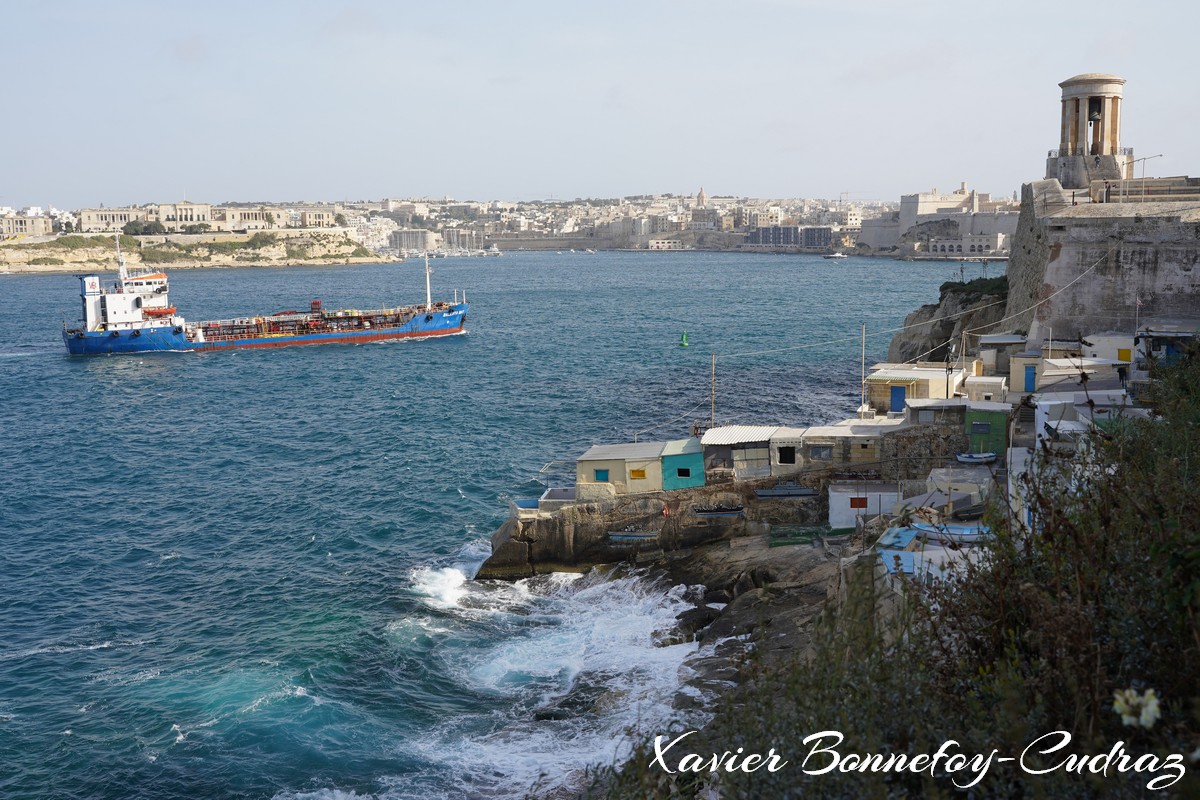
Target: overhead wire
944	318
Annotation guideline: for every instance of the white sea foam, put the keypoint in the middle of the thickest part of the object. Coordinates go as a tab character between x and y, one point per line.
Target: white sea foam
442	588
581	648
323	794
410	629
280	693
55	649
116	678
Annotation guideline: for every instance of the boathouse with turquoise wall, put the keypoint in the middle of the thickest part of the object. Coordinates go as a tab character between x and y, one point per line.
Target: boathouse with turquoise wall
682	464
986	426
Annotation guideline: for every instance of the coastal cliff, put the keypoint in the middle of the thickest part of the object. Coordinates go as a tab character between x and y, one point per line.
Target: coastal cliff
75	254
975	306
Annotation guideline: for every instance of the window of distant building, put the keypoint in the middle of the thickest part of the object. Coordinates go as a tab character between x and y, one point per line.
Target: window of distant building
822	452
981	427
637	474
601	475
683	472
787	455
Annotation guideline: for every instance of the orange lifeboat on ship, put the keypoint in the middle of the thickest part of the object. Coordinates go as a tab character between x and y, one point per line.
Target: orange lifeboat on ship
159	312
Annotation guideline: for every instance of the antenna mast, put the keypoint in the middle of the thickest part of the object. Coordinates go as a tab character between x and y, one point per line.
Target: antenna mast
122	272
428	290
862	405
712	419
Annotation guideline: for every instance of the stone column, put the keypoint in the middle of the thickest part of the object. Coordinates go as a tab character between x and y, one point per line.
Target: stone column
1115	125
1084	139
1064	135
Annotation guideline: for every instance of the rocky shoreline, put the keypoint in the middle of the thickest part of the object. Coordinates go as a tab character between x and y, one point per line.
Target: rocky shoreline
756	597
751	591
78	267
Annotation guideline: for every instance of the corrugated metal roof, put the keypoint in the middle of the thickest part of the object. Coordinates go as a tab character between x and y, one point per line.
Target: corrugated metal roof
680	447
986	405
738	434
936	402
624	452
898	373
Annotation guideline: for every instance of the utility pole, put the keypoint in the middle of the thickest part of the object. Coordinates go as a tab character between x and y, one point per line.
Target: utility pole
712	419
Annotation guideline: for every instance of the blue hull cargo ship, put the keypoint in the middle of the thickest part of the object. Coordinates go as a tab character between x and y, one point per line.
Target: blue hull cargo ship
134	316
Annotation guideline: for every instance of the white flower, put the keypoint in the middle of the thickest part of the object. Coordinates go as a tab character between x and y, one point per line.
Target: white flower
1150	712
1137	709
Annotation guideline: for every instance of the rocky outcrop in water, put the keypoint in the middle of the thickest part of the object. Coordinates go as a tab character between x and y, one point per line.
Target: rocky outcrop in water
976	307
648	528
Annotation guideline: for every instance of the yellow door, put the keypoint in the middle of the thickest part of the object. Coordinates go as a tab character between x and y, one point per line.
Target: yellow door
1123	354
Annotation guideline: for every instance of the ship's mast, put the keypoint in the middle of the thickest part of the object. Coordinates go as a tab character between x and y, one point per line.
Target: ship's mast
428	290
122	272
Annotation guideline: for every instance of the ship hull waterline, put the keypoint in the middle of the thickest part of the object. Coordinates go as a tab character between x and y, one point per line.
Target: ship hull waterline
161	340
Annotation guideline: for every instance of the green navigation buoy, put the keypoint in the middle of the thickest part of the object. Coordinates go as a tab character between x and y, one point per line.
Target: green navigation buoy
683	341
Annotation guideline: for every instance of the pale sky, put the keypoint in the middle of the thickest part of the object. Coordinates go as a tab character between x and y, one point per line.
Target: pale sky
126	102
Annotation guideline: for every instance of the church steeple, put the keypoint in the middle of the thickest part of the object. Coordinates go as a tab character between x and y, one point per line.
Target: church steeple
701	198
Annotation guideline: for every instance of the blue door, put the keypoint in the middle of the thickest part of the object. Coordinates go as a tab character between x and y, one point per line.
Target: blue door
897	398
1030	377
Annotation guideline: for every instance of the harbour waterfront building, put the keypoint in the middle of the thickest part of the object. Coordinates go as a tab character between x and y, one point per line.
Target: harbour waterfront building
969	245
26	225
764	217
248	219
976	214
817	238
775	236
414	240
180	216
108	220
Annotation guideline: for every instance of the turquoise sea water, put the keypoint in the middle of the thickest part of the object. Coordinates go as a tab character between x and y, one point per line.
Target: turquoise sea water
245	574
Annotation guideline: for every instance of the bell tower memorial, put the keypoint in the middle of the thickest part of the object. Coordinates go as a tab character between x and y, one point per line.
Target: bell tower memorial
1089	141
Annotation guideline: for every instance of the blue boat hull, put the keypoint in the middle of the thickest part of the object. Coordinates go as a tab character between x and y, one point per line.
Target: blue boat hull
167	338
142	340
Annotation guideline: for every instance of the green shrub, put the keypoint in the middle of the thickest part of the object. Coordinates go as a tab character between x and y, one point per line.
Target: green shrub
978	287
261	239
43	261
164	255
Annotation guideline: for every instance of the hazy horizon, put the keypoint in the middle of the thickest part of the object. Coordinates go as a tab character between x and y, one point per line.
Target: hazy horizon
138	102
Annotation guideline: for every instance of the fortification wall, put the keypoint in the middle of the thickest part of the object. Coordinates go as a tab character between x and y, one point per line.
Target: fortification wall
1091	263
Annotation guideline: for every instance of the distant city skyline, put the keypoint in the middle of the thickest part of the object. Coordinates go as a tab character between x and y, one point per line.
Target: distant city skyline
137	102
